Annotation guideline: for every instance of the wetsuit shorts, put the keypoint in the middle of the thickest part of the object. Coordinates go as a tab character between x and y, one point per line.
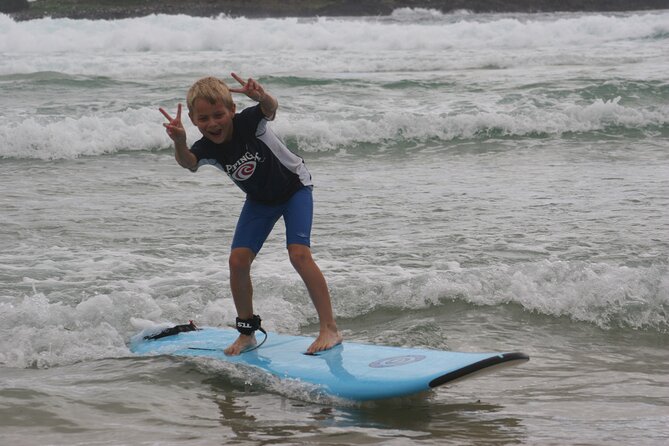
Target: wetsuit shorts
257	220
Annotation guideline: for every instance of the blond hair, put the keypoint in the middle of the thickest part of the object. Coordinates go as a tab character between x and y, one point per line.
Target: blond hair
211	89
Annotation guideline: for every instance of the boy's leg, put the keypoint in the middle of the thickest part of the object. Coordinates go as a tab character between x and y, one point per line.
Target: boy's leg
298	217
255	223
303	262
242	293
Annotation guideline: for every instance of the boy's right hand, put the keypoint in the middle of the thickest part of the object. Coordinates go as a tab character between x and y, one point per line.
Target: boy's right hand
175	128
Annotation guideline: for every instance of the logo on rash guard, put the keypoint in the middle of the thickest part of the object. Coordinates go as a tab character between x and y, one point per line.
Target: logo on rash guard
244	167
244	171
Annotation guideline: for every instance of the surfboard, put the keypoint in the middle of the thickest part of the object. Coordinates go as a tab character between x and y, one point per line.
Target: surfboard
350	370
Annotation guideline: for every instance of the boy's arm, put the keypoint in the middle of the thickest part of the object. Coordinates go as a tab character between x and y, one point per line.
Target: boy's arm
268	105
176	131
252	89
184	156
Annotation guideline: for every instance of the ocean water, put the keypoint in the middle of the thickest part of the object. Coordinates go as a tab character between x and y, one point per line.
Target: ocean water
483	182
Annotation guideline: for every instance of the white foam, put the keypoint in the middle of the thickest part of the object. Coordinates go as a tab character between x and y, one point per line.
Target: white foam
41	330
108	73
174	33
141	129
605	295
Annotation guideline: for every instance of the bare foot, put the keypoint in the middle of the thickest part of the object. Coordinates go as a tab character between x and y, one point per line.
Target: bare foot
243	343
327	339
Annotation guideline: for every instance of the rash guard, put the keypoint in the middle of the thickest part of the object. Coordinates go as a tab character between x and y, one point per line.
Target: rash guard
255	159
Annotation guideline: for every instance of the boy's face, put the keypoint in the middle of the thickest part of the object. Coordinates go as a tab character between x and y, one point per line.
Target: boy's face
213	120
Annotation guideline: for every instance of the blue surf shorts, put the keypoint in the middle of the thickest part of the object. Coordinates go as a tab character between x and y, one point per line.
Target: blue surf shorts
257	220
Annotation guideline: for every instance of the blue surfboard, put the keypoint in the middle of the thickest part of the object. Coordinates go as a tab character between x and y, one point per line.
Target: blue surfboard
351	370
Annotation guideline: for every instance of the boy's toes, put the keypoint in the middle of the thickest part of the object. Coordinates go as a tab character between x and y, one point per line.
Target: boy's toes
325	341
242	344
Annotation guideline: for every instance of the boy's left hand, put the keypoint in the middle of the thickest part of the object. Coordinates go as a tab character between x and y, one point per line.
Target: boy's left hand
253	90
250	88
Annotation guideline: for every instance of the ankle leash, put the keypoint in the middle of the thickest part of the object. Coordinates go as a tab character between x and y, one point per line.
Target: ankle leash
248	327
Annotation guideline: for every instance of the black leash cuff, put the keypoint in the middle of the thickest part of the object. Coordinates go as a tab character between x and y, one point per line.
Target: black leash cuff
249	326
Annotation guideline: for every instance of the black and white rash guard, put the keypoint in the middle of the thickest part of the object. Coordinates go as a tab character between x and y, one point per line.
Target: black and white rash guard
255	159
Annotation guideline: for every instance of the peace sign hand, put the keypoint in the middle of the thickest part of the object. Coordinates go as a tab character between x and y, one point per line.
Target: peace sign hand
250	88
175	128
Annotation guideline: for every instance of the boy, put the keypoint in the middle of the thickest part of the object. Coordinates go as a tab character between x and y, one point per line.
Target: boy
276	182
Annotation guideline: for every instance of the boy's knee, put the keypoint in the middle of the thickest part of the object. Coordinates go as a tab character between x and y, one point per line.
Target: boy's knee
240	259
299	255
